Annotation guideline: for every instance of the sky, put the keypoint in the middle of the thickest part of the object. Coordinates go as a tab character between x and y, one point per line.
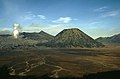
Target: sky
97	18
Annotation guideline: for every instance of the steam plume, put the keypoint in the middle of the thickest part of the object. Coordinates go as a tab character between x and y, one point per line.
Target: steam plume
16	30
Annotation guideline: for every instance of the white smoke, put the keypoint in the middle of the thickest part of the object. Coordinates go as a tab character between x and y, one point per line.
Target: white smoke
16	30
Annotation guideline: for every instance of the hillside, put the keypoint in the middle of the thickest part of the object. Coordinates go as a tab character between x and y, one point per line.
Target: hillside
113	40
9	42
25	40
41	36
72	38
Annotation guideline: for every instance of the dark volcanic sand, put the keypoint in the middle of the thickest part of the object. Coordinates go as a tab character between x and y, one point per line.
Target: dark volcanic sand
57	63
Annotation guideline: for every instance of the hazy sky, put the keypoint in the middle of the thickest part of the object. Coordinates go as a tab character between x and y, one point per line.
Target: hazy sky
94	17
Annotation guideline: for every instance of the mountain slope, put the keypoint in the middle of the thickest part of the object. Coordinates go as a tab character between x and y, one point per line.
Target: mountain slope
41	36
73	38
9	42
110	40
25	40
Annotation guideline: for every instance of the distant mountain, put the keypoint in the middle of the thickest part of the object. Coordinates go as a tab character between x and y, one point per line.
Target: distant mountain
72	38
25	40
9	42
4	32
41	36
110	40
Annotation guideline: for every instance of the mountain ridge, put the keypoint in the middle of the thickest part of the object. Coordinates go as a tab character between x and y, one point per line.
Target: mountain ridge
41	36
115	39
72	37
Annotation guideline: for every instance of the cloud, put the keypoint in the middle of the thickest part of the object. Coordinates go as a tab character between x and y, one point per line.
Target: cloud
51	29
101	9
31	16
54	29
110	14
41	16
5	31
33	28
63	20
93	23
